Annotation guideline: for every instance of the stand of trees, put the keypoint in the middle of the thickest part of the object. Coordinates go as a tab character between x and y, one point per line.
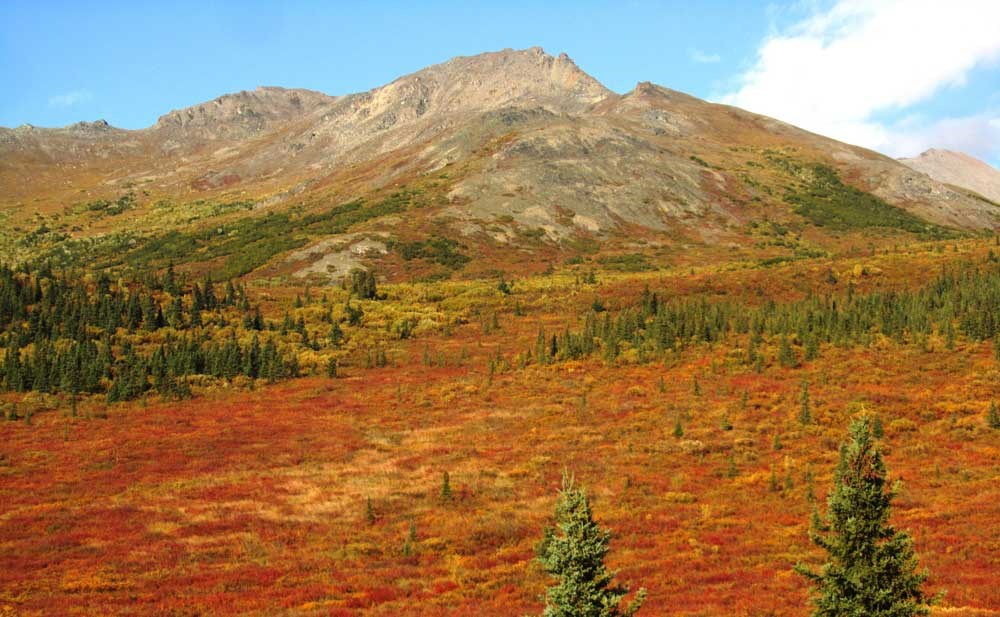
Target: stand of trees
61	333
966	302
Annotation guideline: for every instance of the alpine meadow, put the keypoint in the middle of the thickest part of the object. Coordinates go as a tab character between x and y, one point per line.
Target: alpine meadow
494	339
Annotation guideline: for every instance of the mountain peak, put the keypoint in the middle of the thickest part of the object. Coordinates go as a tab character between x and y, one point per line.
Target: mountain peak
243	114
97	126
959	169
487	81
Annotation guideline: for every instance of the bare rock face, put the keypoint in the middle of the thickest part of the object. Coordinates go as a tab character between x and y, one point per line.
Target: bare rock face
241	115
582	174
528	79
960	170
441	97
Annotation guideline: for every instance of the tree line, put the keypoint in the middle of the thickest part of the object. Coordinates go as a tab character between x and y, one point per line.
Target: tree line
958	301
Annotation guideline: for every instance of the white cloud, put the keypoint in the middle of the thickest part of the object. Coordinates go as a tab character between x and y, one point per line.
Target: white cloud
834	69
978	135
702	57
70	99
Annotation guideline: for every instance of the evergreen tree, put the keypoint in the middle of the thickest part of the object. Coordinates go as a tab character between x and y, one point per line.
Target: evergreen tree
752	351
170	281
786	356
362	284
878	428
993	416
445	487
336	335
805	411
812	347
871	567
573	552
354	314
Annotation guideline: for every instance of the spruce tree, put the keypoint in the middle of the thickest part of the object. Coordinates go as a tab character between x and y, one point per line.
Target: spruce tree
871	567
445	487
805	411
993	416
573	552
786	356
878	428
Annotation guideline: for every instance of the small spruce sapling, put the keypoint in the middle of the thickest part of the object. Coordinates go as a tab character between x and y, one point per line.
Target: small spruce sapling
445	487
993	416
805	411
573	553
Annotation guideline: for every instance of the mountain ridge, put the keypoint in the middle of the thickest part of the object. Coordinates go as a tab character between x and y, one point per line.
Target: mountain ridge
520	142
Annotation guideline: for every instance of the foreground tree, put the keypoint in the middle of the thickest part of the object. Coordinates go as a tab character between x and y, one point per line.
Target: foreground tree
573	552
871	567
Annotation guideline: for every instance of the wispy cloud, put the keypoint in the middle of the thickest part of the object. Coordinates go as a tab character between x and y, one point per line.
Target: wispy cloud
836	68
702	57
76	97
978	135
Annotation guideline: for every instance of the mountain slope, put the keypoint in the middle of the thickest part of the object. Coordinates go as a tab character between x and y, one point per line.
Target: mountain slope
960	170
499	151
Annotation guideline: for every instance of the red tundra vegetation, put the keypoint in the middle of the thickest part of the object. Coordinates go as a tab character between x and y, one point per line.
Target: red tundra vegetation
322	496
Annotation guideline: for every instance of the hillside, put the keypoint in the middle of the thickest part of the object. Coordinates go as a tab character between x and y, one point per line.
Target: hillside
512	149
960	170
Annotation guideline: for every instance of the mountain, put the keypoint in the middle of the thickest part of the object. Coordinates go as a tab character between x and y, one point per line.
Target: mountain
960	170
499	154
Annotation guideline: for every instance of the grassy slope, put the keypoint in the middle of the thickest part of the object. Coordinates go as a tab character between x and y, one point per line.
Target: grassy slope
254	501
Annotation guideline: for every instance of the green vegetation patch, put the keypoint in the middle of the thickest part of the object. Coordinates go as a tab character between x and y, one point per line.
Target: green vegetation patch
825	201
112	208
444	251
631	262
244	245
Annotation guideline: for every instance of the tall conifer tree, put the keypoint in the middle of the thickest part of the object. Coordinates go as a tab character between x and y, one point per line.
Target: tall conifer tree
871	567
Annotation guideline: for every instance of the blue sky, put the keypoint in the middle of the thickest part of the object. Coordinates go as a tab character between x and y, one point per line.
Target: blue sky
806	61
